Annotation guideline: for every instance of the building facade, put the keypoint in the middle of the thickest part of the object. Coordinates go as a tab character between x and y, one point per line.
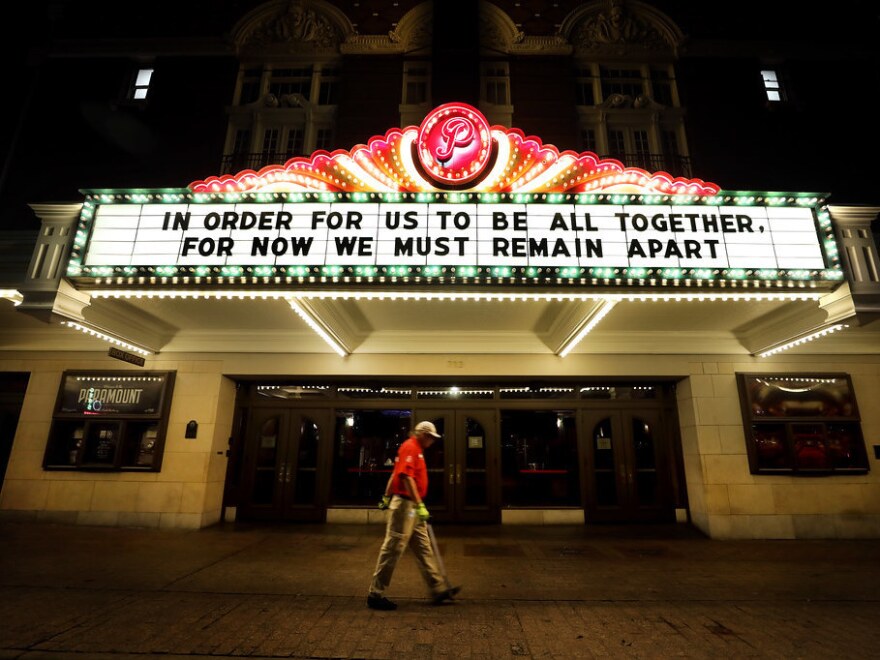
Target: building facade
556	232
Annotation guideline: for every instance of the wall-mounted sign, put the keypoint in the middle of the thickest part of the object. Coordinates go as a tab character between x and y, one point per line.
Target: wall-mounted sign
125	356
112	394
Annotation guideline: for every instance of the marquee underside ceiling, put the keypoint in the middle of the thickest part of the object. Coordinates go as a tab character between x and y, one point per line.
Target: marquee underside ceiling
539	327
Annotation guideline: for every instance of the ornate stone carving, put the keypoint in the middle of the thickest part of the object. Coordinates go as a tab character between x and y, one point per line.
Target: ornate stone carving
640	102
618	26
298	26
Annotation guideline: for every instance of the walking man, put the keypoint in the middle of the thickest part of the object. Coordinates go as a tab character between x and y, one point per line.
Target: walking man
408	522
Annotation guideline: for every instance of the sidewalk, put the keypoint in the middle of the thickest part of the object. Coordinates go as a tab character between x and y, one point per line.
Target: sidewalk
545	592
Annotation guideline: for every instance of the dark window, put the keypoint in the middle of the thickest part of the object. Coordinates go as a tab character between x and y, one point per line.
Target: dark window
662	86
294	141
640	143
416	92
327	94
616	143
250	86
324	138
291	81
270	141
622	81
588	139
670	143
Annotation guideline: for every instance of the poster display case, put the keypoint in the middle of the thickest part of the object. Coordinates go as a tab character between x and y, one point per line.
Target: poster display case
802	424
110	420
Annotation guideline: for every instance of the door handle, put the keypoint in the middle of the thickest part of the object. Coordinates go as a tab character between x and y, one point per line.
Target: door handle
451	475
458	474
281	473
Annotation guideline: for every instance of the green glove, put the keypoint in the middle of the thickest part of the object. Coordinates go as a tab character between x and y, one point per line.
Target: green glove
422	512
385	503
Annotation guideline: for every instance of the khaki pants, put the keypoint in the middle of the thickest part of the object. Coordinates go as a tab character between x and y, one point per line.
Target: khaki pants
404	528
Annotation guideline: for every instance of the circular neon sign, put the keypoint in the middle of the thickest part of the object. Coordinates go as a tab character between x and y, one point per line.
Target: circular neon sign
454	144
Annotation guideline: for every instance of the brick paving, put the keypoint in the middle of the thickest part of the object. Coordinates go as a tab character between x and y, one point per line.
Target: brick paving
565	592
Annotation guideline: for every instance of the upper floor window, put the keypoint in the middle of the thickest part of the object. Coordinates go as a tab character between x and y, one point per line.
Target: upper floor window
416	83
627	82
588	140
328	89
772	85
324	138
495	83
586	91
141	84
661	87
250	85
283	82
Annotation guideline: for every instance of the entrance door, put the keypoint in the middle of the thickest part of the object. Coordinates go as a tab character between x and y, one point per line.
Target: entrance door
627	467
284	457
463	466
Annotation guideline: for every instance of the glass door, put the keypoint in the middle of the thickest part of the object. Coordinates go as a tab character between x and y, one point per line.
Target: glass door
627	469
284	475
462	466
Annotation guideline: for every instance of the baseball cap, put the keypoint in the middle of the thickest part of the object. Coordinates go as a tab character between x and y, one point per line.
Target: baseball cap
428	428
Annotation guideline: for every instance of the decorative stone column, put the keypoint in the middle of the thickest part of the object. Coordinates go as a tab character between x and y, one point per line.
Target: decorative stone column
45	292
860	257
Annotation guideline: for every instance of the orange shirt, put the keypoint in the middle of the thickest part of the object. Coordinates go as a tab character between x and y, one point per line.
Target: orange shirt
411	462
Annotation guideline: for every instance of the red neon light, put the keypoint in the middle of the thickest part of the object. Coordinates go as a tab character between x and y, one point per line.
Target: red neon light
454	149
454	144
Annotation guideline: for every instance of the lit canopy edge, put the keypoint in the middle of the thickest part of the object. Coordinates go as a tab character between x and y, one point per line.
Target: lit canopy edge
387	164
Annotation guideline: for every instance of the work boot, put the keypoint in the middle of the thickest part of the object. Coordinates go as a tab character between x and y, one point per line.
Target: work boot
446	594
377	602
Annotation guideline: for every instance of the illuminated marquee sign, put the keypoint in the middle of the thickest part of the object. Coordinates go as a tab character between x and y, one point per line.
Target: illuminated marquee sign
455	198
483	234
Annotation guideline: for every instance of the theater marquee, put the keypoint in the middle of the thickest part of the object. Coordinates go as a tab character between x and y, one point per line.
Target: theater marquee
456	199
